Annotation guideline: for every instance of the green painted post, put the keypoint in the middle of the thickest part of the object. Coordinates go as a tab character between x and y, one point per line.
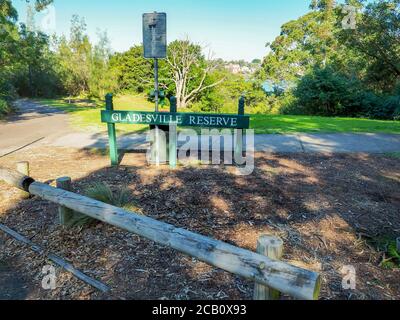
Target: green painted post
112	136
239	133
172	136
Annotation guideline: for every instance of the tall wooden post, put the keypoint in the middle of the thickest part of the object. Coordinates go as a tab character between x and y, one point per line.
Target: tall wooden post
239	133
112	136
272	247
173	136
23	167
65	215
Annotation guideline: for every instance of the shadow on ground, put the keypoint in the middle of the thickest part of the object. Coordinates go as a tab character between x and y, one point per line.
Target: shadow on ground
323	207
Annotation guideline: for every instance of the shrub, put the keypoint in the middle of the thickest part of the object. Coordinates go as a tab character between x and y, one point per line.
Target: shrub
100	191
384	108
4	108
326	93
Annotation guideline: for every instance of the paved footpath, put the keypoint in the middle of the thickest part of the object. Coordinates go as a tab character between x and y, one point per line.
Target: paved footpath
36	125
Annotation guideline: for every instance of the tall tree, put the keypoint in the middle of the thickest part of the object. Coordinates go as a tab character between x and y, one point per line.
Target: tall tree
189	70
75	58
376	41
303	43
102	77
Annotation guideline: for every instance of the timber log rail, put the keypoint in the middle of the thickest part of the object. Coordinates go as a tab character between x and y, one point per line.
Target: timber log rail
269	274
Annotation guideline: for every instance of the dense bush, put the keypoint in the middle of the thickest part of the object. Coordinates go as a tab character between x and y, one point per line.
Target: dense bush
7	94
324	92
384	108
4	108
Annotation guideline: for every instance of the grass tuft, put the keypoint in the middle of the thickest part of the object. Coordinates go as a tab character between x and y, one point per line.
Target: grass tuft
99	191
388	246
393	155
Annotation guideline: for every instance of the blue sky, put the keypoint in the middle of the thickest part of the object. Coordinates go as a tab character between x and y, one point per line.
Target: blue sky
235	29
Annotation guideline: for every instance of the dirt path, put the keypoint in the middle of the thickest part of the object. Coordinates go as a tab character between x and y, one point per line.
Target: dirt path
32	124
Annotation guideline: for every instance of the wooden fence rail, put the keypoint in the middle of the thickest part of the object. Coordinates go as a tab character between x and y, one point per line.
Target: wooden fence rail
278	275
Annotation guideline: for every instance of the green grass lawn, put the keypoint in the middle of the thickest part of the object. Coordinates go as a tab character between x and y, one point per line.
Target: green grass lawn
293	124
85	116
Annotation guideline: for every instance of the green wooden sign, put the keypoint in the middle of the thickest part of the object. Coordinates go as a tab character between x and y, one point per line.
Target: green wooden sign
180	119
172	119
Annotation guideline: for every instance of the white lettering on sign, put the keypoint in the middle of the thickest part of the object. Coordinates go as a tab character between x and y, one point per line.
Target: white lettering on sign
116	117
180	119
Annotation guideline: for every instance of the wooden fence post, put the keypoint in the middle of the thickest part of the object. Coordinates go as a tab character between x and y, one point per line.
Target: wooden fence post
239	134
23	167
398	244
65	214
272	247
112	136
173	137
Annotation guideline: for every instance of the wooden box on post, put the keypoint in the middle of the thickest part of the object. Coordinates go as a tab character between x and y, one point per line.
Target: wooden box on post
165	150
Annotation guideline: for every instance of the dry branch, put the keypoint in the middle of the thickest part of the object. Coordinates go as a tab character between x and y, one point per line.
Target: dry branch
56	259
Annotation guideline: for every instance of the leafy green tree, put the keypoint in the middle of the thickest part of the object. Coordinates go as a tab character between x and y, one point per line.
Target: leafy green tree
134	73
74	57
13	43
325	92
35	73
376	44
102	78
302	44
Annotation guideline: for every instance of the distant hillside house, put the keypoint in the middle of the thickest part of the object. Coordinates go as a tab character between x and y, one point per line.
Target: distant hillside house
238	69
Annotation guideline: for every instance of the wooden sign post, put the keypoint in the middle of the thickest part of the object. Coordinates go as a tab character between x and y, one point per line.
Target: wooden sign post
112	136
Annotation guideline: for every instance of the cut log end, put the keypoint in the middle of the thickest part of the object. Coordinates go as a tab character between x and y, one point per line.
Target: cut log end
16	179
